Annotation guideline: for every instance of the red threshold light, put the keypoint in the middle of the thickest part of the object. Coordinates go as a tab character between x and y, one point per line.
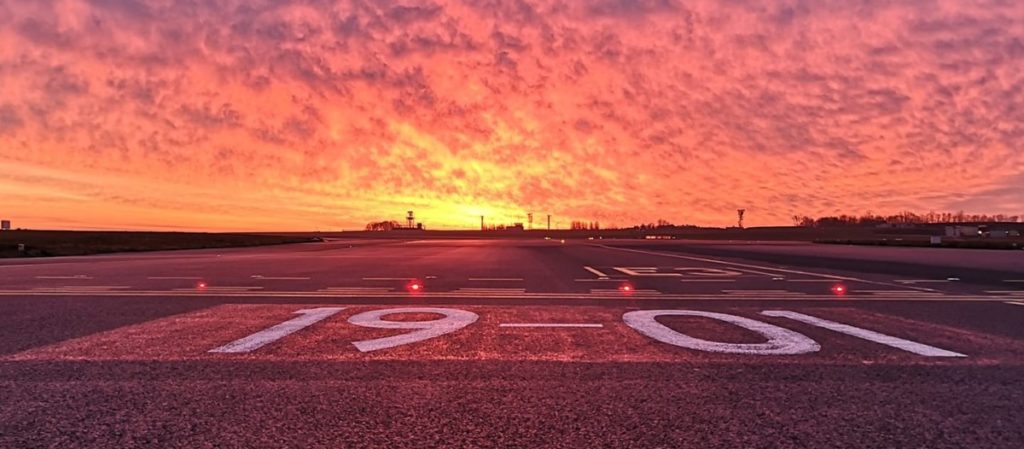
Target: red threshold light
414	286
839	290
627	288
201	285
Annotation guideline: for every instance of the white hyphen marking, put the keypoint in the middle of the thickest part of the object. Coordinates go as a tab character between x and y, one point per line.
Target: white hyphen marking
550	325
887	340
780	341
262	338
454	319
76	276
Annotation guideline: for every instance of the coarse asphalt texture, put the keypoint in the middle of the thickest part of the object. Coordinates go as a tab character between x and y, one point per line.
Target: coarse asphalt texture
515	344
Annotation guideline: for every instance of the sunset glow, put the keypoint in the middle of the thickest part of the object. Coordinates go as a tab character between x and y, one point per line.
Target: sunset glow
304	115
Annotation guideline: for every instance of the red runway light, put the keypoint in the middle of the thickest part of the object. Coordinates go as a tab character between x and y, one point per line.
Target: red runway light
839	289
627	288
414	286
201	285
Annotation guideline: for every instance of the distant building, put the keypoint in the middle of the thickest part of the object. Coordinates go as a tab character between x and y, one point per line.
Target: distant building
5	225
962	231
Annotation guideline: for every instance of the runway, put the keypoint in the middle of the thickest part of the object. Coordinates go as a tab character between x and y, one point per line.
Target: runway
512	343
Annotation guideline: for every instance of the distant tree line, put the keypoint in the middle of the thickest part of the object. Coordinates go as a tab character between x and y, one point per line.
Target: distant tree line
585	226
905	217
383	226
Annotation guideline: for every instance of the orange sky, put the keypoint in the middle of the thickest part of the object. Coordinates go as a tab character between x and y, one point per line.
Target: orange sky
278	115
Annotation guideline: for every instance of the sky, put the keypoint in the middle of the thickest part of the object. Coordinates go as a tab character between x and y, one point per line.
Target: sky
324	115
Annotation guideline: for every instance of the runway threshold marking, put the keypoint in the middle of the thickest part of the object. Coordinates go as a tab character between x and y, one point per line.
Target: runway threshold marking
595	272
743	265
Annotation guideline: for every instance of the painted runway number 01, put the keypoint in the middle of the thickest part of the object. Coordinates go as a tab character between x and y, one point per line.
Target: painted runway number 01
779	340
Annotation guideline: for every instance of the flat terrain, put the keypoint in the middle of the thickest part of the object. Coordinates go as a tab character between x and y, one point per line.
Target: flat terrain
77	243
515	343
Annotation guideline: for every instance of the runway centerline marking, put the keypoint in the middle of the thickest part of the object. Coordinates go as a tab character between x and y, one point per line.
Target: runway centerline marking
595	272
736	264
544	325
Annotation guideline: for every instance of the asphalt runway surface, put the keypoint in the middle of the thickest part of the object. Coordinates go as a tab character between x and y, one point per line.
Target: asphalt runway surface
508	344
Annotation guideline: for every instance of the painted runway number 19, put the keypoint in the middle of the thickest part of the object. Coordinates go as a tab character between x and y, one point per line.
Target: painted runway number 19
452	321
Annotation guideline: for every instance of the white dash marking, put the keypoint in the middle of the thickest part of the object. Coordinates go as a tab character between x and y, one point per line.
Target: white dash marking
1016	303
496	279
174	278
77	276
872	336
280	278
585	325
262	338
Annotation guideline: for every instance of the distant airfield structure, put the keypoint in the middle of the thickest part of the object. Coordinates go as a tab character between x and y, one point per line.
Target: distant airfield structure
5	225
739	213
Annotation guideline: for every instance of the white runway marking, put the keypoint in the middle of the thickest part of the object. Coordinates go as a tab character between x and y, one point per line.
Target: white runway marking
781	341
887	340
496	279
593	325
174	278
644	272
738	266
598	280
260	339
596	272
615	291
808	280
485	291
219	288
1006	292
707	280
84	288
387	279
923	281
454	319
76	276
280	278
1015	303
